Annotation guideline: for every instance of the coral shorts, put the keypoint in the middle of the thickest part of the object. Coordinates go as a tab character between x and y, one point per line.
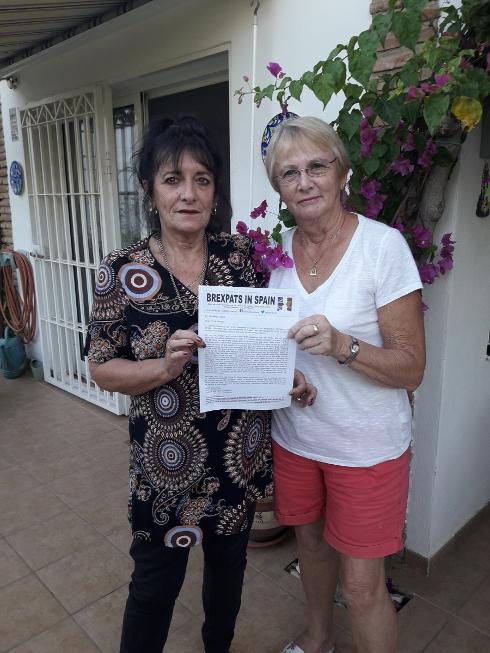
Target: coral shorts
363	507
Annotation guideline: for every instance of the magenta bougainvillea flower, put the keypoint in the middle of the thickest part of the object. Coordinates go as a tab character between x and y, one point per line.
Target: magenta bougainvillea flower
265	255
375	200
368	135
442	80
425	159
421	236
260	210
429	273
402	167
447	248
274	68
409	144
445	264
413	93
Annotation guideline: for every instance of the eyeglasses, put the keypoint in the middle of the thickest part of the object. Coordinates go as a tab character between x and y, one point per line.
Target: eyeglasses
316	169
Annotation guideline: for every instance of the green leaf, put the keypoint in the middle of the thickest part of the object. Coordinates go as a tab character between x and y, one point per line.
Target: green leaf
336	51
390	110
410	111
370	165
322	88
368	40
284	82
318	66
353	91
276	233
296	88
443	157
381	24
307	78
406	27
354	150
361	64
287	218
435	109
336	70
416	5
410	73
349	122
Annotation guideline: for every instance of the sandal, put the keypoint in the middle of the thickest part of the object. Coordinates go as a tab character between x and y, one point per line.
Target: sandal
292	647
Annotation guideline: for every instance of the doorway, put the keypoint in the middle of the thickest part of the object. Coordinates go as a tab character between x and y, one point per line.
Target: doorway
210	105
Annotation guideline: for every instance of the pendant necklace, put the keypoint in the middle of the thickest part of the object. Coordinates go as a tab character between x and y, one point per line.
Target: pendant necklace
192	284
329	238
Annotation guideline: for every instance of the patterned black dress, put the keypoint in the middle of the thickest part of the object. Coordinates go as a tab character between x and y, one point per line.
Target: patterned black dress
190	473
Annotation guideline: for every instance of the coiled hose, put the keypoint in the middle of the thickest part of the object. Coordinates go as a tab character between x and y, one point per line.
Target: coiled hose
19	312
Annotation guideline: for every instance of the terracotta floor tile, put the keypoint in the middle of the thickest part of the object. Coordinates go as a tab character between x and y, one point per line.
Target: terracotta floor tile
418	623
29	508
459	637
449	585
53	539
65	637
102	620
269	617
108	516
86	576
90	483
27	608
46	467
105	446
476	610
11	566
15	480
122	538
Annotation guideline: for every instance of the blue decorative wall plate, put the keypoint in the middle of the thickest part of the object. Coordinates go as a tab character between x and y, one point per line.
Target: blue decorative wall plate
269	128
16	178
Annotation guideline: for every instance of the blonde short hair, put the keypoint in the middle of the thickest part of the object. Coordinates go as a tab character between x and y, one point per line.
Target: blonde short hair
309	128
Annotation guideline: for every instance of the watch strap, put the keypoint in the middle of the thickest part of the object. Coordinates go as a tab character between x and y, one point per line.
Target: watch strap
354	350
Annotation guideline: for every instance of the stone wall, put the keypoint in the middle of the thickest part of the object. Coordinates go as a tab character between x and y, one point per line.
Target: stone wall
5	217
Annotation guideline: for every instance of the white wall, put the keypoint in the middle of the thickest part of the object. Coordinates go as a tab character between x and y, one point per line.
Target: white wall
451	479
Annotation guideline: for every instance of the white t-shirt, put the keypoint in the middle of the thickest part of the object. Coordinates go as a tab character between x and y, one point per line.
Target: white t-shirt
355	422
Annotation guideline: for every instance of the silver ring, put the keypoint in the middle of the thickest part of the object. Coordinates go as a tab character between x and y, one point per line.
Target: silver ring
316	330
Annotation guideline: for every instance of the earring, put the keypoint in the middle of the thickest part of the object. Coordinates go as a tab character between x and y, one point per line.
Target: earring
214	209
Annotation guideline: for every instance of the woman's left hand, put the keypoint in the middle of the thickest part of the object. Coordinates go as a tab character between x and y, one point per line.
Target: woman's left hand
316	335
304	393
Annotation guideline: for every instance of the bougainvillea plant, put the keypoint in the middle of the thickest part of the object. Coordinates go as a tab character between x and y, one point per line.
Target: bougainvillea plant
403	130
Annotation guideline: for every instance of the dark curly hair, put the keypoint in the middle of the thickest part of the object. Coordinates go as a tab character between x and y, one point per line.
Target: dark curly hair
166	140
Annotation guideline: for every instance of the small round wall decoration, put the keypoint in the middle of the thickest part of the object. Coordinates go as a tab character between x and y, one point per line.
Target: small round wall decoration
16	178
269	129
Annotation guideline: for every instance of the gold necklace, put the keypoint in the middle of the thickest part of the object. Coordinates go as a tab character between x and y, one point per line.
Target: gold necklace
329	238
197	281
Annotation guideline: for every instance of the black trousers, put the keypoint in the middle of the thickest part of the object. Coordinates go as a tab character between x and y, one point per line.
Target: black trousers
158	576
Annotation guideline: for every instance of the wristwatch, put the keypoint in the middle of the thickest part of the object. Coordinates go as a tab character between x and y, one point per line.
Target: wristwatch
354	350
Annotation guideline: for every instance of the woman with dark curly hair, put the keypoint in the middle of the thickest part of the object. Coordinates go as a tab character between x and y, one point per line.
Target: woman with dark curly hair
194	478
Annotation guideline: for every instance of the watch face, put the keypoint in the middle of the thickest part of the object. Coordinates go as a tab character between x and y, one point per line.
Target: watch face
354	347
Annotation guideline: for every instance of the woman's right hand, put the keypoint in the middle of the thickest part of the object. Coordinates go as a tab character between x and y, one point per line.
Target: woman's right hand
180	348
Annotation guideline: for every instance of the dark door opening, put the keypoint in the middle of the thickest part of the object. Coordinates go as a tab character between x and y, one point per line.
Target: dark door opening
210	104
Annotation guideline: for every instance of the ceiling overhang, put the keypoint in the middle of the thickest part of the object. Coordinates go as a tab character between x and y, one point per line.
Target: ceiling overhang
29	28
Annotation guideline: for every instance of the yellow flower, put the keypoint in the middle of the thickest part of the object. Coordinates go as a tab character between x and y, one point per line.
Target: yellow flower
467	110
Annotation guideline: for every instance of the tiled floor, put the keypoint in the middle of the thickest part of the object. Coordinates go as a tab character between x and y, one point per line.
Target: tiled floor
64	538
